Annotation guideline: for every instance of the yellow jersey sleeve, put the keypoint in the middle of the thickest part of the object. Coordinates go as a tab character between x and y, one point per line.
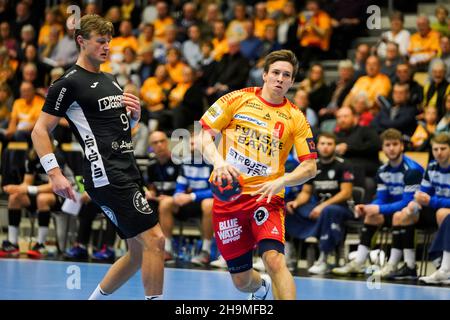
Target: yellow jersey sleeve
303	138
220	114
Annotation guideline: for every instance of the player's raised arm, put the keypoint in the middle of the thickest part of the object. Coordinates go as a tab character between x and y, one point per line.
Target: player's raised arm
43	146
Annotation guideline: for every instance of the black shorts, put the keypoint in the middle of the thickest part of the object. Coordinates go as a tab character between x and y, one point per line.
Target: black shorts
388	220
427	219
126	207
190	210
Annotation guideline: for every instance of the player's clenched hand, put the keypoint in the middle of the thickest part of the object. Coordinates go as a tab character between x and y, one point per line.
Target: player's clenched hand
15	188
132	104
61	186
269	189
224	171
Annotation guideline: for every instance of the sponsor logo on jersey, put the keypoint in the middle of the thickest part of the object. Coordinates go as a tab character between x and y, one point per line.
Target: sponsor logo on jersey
60	97
267	117
110	214
70	73
94	85
284	116
311	145
331	173
115	145
247	165
274	230
93	157
254	105
110	102
244	117
229	230
261	215
126	146
214	112
141	204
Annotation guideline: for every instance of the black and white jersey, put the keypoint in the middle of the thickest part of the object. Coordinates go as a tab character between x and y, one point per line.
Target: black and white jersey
327	182
92	103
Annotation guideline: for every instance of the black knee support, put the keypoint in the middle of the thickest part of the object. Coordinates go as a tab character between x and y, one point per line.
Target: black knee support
408	237
43	218
367	233
14	216
397	242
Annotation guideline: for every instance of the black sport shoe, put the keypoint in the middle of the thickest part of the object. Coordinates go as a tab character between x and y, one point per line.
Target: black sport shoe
404	273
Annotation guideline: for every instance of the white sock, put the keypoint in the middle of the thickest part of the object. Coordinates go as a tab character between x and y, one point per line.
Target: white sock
410	257
155	297
168	245
13	234
42	234
98	294
206	245
361	254
445	265
396	255
322	257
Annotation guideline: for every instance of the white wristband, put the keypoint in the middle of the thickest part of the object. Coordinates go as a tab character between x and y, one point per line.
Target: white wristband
133	122
49	162
32	190
193	196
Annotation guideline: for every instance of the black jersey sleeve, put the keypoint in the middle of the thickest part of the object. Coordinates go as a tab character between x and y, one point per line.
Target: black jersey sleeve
59	98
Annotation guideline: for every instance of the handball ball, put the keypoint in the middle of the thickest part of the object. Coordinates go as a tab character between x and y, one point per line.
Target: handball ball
227	191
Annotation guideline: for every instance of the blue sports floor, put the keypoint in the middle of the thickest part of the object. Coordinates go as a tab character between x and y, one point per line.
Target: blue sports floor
54	280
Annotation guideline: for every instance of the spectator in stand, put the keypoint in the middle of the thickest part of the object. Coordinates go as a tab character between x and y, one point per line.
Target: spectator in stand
251	45
7	40
131	12
319	93
339	90
398	115
360	104
425	130
423	45
123	40
397	34
220	41
27	36
441	24
261	20
301	100
170	42
287	27
191	47
443	55
373	84
211	14
313	33
126	71
404	76
24	114
444	123
5	105
231	73
175	65
360	146
347	21
236	27
187	19
361	55
52	22
148	63
146	36
162	21
390	62
435	91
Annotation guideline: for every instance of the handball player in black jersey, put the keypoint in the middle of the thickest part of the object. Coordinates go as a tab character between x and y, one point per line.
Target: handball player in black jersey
101	116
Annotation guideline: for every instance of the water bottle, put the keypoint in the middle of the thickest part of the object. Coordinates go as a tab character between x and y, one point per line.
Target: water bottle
187	251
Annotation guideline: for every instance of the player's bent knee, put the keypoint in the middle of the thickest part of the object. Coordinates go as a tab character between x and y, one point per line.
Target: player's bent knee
272	252
242	280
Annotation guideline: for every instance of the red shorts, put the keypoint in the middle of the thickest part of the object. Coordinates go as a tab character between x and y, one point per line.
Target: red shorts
239	225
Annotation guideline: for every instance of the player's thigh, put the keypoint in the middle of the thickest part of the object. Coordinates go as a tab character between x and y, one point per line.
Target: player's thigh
441	214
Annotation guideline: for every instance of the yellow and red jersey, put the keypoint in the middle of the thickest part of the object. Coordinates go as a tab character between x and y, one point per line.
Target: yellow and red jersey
257	136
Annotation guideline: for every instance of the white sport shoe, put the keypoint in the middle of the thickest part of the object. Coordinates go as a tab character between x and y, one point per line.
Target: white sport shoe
386	271
259	265
219	263
350	268
438	277
267	284
319	268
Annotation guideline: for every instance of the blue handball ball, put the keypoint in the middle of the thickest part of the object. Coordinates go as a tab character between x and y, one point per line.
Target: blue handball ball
227	191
